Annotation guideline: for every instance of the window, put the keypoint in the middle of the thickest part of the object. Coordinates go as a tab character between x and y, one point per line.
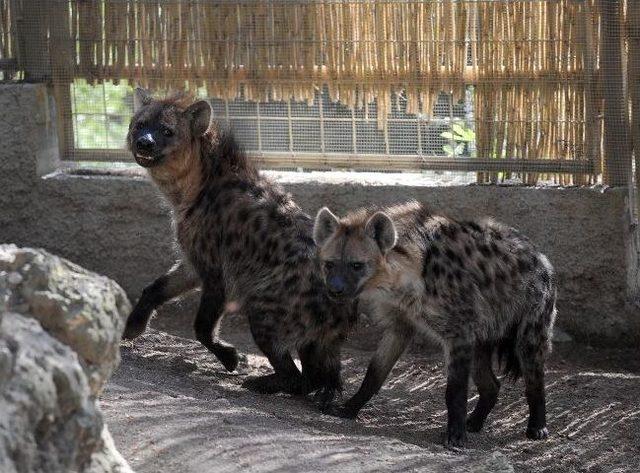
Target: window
323	134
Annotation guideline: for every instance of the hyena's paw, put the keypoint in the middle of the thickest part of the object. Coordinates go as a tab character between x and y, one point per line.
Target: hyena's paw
340	411
324	398
456	439
133	329
474	423
228	356
269	384
537	434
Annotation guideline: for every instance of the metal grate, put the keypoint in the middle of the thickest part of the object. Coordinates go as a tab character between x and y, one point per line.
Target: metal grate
324	131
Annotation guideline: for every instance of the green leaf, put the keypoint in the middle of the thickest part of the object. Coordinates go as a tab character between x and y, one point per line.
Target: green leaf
448	135
449	151
458	129
468	135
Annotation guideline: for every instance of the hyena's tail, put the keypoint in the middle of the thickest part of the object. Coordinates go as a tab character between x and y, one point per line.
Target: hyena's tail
528	340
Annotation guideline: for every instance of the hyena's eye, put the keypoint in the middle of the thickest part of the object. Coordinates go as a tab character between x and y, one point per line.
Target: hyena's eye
167	132
329	265
357	266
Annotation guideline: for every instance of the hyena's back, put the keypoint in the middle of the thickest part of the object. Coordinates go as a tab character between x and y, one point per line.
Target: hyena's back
486	277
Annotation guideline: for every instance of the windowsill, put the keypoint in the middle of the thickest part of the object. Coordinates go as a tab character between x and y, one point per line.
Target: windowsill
88	170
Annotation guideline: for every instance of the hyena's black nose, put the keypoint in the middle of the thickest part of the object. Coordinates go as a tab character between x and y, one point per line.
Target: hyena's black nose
336	285
145	143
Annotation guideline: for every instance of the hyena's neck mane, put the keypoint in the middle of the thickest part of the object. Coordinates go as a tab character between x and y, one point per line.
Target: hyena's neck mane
222	158
213	157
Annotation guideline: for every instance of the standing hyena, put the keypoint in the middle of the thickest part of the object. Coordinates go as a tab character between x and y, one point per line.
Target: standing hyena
243	240
479	288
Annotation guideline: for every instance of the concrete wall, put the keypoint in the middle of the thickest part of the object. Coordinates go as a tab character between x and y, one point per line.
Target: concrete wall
117	225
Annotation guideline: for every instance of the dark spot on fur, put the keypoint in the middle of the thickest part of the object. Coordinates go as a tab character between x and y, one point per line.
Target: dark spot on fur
292	281
226	201
400	250
453	256
315	309
485	250
473	226
243	215
524	266
451	232
436	269
229	239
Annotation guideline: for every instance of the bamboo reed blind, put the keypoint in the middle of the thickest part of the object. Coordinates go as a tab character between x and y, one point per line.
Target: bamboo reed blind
535	64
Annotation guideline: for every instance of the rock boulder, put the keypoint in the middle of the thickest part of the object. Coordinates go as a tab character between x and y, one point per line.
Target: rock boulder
60	329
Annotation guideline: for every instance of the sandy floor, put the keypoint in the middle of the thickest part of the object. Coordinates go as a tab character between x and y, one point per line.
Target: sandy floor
171	408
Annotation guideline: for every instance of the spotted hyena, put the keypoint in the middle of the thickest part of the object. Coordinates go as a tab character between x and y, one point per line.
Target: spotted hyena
479	288
244	242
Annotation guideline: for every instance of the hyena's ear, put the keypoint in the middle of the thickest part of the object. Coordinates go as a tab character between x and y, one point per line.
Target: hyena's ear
325	226
199	115
140	98
381	228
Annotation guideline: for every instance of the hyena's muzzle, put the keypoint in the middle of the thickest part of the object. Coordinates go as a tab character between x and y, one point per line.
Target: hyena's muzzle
147	145
343	280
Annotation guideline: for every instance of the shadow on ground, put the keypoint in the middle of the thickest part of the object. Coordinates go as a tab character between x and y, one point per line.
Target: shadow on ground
171	407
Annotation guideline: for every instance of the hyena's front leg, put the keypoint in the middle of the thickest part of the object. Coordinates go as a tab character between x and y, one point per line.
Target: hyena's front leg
208	318
394	341
178	280
456	393
321	371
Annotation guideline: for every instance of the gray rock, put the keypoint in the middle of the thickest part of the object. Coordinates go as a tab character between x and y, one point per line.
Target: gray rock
81	309
60	329
48	420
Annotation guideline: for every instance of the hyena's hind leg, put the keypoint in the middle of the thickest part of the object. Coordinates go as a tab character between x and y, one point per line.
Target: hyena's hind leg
532	348
287	377
207	323
178	280
460	354
487	384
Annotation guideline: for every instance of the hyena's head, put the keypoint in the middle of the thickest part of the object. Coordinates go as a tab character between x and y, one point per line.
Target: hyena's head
163	132
352	250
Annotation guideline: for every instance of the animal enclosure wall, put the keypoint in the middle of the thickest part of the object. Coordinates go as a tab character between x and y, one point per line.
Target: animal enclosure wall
534	88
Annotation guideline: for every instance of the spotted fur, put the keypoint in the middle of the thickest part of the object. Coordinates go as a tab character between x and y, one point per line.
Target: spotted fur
478	287
244	242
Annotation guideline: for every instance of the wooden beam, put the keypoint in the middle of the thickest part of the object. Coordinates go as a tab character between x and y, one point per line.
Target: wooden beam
33	46
617	149
633	73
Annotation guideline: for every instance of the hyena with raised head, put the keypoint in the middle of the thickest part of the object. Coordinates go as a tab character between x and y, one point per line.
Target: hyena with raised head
477	287
243	240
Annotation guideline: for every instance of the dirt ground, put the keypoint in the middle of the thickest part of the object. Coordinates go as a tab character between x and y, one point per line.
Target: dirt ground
172	408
